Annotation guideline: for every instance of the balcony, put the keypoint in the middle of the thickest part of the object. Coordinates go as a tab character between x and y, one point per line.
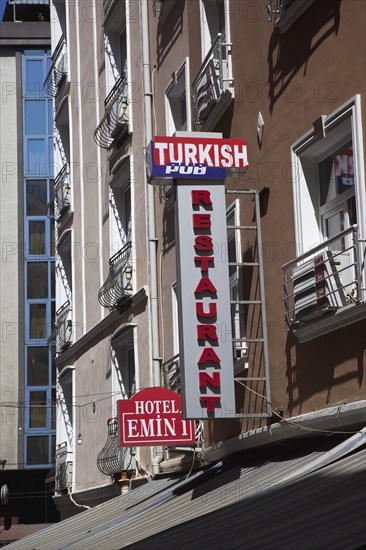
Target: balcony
63	331
112	459
61	200
212	89
63	478
287	12
323	287
58	70
117	289
115	121
171	374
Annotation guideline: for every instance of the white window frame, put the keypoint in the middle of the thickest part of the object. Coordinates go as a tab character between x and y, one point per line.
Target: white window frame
305	218
206	41
169	119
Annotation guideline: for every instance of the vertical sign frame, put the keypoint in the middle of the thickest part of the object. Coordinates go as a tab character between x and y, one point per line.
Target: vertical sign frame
204	301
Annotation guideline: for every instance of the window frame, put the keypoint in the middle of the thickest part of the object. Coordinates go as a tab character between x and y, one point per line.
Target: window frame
169	119
349	110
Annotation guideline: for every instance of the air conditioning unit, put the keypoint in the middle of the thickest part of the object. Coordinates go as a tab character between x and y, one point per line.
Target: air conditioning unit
317	288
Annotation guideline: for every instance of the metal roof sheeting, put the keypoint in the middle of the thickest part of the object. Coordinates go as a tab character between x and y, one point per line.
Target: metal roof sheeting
316	501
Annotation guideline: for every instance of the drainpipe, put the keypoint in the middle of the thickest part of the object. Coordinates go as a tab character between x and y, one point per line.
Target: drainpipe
158	458
152	239
153	284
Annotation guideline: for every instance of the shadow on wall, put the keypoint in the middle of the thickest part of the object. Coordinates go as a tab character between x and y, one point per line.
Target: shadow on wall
319	366
291	51
168	31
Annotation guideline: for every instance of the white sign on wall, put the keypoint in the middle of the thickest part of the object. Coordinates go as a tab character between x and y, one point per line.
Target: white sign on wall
204	301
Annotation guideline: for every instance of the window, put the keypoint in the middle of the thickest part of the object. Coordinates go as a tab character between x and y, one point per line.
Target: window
177	103
116	53
329	198
212	23
37	279
213	85
36	191
40	370
123	360
120	207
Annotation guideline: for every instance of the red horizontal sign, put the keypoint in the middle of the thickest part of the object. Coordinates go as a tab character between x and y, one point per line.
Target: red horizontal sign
197	157
153	417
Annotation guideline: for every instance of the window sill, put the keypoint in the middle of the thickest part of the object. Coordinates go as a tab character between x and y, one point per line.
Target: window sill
329	323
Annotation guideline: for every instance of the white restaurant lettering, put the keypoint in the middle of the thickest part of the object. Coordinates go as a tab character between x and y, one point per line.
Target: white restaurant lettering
211	154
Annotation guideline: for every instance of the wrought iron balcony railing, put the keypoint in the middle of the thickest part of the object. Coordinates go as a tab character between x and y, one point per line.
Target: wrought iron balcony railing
325	279
63	329
63	478
58	69
61	200
112	459
171	374
214	80
115	119
117	287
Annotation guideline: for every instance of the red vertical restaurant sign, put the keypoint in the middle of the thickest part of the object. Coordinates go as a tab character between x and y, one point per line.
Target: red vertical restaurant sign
153	417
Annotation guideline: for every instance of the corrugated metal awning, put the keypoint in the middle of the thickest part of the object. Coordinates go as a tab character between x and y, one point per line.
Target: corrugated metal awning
313	501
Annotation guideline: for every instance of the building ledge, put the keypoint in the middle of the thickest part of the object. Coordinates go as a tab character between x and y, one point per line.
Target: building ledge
91	497
333	321
24	33
337	418
218	111
98	332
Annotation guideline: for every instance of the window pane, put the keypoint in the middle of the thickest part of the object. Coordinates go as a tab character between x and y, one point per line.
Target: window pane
343	167
53	447
52	279
37	321
53	315
34	76
37	279
37	366
38	409
50	117
52	251
36	197
336	174
53	366
35	117
37	449
53	418
37	237
36	156
50	158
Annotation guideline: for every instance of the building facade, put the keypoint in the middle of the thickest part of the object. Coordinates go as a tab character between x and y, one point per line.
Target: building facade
27	371
287	77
